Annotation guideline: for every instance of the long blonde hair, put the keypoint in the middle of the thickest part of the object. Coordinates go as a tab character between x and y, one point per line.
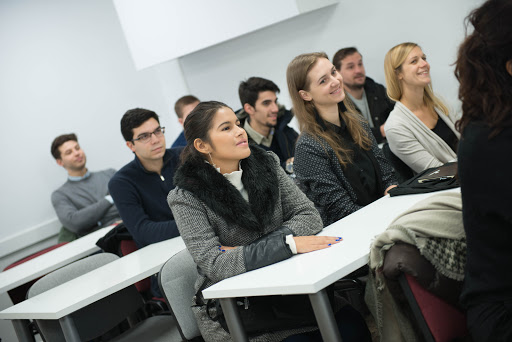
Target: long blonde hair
297	79
393	65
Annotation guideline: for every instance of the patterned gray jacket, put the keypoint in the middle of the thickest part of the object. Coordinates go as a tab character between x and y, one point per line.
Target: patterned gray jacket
210	211
323	180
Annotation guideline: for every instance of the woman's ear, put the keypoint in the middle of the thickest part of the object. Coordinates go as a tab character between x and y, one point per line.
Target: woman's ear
305	95
508	66
201	146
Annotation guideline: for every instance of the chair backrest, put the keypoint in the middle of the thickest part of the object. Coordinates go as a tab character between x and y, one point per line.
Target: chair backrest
403	172
95	319
438	320
19	293
177	278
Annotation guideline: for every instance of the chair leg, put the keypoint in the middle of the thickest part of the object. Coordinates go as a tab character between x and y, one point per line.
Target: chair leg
415	308
23	331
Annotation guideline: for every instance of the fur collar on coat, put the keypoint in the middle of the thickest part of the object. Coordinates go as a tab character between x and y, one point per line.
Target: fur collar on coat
259	178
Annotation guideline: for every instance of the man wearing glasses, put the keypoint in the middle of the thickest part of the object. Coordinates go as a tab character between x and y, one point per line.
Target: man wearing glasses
140	188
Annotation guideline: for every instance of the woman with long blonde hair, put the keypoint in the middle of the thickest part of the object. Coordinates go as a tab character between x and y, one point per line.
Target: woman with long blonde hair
337	160
420	130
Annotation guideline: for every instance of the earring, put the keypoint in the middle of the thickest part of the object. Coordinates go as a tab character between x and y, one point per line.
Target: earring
213	164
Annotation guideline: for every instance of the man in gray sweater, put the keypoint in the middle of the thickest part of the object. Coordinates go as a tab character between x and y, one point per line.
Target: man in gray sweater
83	203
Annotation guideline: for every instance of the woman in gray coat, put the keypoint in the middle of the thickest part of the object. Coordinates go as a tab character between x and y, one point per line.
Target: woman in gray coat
237	211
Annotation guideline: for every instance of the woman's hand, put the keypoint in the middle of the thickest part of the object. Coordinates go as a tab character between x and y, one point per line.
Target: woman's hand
312	243
225	248
389	188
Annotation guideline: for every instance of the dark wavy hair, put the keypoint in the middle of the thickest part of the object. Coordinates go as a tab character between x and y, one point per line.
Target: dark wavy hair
134	118
250	90
197	125
485	85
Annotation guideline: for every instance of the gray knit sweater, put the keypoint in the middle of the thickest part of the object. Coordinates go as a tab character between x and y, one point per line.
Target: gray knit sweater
81	205
414	143
212	213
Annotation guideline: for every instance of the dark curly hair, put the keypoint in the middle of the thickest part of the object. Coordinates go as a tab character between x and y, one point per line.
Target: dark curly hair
249	90
485	85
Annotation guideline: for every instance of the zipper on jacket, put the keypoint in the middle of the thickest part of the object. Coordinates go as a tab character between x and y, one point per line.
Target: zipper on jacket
162	178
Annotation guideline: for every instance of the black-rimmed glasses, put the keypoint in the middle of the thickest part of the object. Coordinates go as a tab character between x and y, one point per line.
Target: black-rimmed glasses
146	137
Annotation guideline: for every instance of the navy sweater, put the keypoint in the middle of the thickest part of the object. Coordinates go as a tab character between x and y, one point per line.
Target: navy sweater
141	199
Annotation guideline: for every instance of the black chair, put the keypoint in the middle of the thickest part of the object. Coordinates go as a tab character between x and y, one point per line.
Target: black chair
403	172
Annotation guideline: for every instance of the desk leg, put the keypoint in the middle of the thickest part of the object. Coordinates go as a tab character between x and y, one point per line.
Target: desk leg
324	316
233	320
69	329
21	326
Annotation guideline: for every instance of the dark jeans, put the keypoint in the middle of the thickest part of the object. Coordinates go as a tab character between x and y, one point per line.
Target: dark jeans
351	325
491	321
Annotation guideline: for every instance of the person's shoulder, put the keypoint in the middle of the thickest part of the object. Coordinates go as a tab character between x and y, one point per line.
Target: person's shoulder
180	140
59	191
371	84
173	153
107	172
480	130
273	156
398	115
180	195
129	171
312	144
305	137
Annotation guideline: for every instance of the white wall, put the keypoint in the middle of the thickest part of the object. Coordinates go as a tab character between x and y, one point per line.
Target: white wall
371	25
65	67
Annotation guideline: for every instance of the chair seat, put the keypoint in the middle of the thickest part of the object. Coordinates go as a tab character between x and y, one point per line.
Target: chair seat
444	321
154	329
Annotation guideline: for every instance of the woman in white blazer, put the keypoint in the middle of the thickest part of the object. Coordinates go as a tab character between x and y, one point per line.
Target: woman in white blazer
420	130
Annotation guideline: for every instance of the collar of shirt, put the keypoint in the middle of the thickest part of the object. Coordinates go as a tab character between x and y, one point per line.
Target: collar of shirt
257	137
79	178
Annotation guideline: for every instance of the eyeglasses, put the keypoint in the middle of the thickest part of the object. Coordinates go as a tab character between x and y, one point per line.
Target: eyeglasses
146	137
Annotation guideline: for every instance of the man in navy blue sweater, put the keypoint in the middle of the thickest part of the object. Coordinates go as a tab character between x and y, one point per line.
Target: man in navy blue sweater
140	188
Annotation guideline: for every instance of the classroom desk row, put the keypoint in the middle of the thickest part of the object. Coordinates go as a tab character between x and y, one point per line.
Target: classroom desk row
51	261
307	273
60	301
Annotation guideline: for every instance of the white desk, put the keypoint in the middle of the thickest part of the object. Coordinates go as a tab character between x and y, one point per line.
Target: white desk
50	261
73	295
311	273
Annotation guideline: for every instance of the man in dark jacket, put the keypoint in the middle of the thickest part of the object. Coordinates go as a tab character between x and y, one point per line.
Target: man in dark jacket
140	188
265	122
369	97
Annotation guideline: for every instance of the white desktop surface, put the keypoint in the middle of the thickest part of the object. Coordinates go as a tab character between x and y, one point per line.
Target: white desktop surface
97	284
311	272
52	260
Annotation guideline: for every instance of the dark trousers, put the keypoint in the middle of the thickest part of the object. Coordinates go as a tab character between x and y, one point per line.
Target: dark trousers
350	323
491	321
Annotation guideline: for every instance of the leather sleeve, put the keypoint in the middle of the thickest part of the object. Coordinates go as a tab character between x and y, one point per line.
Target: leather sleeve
267	250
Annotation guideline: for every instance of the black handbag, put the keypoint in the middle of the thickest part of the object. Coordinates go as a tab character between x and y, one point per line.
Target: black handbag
269	313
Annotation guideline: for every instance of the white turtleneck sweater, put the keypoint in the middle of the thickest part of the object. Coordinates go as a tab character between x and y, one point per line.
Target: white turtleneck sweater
235	178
